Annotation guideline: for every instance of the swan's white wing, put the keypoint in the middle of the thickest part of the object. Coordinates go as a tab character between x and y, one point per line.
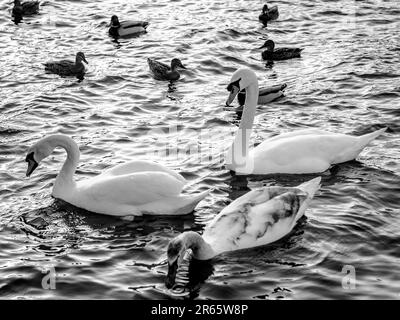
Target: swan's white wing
139	166
298	133
302	154
257	218
133	189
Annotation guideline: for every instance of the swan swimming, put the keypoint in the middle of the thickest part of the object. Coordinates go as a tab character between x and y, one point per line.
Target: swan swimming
130	189
297	152
257	218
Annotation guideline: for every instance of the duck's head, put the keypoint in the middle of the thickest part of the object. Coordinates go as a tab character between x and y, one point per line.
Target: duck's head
265	9
175	254
35	154
114	21
17	10
80	56
176	63
269	45
241	79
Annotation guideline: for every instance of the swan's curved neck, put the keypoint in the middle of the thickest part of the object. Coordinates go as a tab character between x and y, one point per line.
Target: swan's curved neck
65	177
239	149
200	248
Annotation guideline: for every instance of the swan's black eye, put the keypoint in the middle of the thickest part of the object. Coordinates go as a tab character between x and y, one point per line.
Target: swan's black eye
232	85
29	157
174	249
231	88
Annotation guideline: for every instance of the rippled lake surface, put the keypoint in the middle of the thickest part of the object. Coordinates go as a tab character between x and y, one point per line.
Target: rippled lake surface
348	80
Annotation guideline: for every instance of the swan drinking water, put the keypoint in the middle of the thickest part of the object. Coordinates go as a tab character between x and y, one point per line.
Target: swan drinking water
130	189
297	152
257	218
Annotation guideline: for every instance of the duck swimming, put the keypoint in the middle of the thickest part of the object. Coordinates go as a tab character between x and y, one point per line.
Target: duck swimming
265	95
126	28
162	71
68	68
25	9
279	54
129	189
255	219
297	152
268	14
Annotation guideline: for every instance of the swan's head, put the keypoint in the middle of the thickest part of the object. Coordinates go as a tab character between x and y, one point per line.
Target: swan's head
176	63
80	56
269	45
241	79
175	254
37	153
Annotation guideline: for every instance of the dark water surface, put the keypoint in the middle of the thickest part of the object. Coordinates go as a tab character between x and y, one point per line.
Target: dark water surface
348	80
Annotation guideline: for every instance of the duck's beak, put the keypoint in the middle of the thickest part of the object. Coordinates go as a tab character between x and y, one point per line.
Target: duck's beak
84	59
32	165
172	269
182	66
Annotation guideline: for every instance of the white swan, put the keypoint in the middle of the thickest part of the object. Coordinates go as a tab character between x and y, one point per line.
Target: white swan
257	218
129	189
302	151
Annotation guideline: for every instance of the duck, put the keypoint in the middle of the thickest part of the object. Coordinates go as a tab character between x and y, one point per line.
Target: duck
303	151
268	14
127	190
25	8
265	95
272	54
68	68
259	217
126	28
162	71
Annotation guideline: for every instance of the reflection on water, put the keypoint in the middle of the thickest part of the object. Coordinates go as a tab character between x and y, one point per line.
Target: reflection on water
345	81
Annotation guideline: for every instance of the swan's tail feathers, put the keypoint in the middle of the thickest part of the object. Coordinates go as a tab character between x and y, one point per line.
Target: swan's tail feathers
189	202
311	187
367	138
